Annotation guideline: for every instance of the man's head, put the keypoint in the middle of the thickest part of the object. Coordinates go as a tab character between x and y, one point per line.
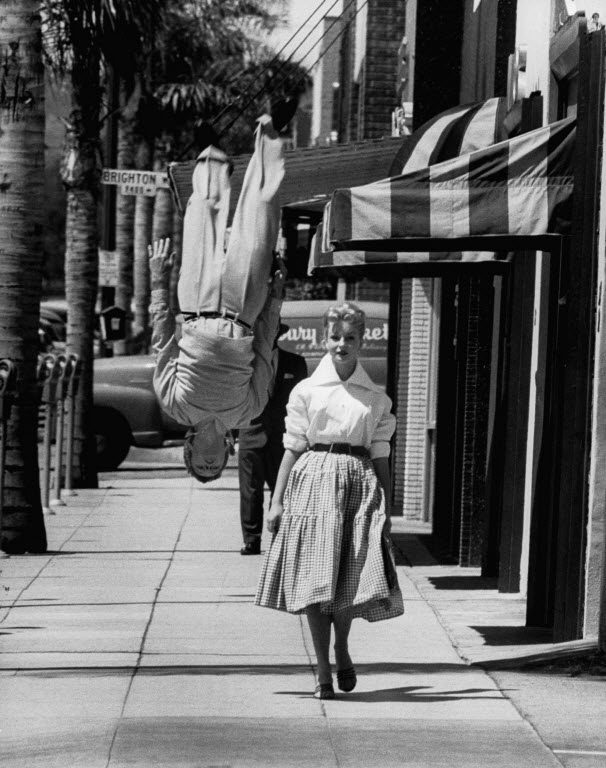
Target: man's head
206	450
595	17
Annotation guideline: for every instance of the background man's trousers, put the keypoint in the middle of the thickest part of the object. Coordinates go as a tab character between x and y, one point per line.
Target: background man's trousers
260	448
259	457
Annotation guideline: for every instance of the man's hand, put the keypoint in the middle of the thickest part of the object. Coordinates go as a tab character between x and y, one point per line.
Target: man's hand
278	279
160	262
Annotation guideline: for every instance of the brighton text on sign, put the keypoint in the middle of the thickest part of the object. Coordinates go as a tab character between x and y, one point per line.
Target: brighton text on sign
135	182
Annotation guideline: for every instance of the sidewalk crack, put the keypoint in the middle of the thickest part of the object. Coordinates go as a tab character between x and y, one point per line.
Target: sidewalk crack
51	556
137	664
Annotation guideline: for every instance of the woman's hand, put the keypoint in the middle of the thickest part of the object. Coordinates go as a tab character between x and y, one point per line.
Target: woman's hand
275	515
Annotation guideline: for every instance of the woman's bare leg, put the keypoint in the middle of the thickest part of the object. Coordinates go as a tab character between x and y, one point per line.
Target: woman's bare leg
342	622
319	626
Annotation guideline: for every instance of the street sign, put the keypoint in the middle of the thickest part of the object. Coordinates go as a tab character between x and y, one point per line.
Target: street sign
108	269
135	182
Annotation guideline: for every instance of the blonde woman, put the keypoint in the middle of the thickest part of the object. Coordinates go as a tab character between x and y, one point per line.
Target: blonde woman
330	507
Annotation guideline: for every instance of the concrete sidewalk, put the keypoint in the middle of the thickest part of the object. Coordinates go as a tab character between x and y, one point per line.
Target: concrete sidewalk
487	628
134	642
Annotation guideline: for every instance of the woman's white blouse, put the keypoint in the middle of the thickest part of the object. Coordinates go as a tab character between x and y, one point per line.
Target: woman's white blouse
324	409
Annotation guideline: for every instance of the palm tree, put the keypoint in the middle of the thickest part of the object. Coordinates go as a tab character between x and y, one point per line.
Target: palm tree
125	220
22	164
144	211
183	84
82	36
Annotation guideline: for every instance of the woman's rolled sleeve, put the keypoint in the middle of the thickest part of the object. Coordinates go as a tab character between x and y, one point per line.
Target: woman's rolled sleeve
296	422
379	446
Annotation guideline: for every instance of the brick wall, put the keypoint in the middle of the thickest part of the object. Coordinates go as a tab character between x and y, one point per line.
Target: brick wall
349	91
384	31
326	73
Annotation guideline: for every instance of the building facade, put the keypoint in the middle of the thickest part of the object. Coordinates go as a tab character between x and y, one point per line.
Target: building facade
499	377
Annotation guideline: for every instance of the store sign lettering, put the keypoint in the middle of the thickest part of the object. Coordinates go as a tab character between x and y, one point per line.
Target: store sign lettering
309	338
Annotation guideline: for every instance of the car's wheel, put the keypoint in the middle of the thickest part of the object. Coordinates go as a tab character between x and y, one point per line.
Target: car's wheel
113	437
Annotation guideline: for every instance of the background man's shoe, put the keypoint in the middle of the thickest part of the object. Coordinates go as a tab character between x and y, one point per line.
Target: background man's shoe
251	548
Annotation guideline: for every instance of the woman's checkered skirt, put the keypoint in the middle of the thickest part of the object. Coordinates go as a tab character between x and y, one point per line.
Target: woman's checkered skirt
328	548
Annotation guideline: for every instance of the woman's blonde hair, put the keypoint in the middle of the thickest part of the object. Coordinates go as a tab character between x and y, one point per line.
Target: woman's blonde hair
347	312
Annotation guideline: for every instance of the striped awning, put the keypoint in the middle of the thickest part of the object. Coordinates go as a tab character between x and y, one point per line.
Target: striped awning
487	200
457	131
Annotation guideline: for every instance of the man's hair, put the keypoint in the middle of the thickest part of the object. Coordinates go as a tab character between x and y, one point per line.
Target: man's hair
187	459
348	312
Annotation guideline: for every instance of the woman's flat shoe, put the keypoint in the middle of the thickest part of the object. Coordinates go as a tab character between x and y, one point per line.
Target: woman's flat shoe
324	691
347	679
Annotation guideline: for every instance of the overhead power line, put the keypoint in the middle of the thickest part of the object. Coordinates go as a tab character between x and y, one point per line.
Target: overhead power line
328	47
276	58
324	34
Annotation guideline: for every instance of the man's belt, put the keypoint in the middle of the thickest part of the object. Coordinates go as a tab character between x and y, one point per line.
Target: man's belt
352	450
225	314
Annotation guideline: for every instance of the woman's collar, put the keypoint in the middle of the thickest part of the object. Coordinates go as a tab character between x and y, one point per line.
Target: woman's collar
326	373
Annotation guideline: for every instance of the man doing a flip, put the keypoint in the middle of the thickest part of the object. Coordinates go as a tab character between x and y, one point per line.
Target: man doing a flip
217	376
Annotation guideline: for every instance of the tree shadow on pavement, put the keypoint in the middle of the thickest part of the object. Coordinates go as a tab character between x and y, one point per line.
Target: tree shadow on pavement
410	693
296	668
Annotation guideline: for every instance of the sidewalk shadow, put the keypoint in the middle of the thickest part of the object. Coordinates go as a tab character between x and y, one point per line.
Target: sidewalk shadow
520	635
463	582
409	693
198	670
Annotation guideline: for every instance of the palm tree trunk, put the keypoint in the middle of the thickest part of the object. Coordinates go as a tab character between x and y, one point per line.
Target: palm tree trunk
80	173
125	219
21	205
144	211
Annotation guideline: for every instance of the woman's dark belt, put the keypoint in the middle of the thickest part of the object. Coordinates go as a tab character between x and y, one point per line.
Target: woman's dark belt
353	450
226	314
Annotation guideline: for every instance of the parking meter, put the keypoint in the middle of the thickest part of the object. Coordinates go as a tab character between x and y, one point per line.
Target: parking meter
48	377
63	365
49	372
8	376
73	380
8	379
74	375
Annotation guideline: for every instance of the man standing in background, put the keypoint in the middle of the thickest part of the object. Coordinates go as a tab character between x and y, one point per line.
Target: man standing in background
260	448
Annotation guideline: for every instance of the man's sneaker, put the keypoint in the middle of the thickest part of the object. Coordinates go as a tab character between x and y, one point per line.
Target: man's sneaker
251	548
205	136
283	112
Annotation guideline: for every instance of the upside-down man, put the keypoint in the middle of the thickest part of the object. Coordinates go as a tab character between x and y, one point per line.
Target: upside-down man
217	376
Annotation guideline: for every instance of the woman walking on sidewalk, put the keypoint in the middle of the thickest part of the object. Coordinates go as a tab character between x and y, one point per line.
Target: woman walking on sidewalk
330	509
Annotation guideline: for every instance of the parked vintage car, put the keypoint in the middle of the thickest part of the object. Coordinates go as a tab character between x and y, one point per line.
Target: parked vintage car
126	411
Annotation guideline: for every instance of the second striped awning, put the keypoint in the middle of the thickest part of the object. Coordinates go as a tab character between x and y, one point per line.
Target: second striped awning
521	187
